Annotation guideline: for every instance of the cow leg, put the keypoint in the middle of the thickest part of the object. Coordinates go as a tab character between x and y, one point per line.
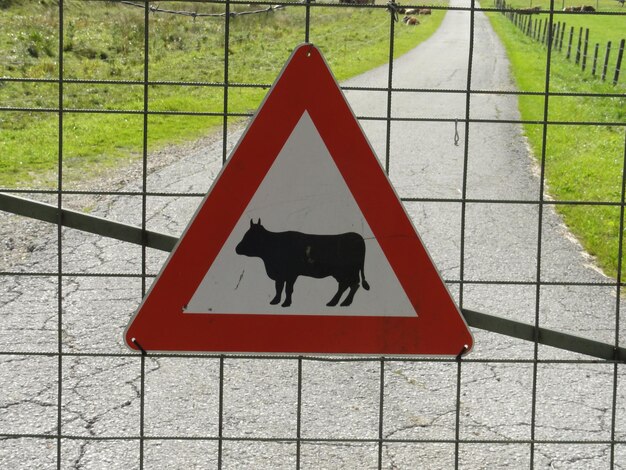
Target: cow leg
348	300
279	292
335	300
288	292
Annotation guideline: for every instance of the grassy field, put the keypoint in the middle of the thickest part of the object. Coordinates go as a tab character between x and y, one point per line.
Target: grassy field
583	162
105	41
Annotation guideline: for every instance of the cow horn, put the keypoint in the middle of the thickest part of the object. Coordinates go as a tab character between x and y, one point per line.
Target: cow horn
259	222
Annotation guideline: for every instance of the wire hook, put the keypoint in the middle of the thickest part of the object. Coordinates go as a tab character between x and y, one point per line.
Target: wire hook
392	6
463	351
136	343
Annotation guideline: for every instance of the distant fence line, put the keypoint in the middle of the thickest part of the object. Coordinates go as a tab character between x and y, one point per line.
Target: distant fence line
537	29
195	14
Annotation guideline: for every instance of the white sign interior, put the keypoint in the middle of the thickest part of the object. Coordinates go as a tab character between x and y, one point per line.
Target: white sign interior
303	192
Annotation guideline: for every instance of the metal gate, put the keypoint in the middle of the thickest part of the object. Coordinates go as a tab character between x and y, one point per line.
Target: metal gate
541	390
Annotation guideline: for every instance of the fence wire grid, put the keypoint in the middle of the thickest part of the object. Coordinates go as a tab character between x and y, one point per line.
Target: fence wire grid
74	397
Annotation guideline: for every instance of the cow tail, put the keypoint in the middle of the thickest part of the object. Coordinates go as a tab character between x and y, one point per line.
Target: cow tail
364	283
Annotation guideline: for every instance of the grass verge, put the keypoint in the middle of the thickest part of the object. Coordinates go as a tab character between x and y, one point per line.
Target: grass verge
105	41
583	162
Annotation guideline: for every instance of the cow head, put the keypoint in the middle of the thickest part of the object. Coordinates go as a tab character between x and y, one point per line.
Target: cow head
252	242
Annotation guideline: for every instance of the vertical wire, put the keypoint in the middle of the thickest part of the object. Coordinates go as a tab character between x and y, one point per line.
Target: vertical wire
220	418
307	21
381	404
457	417
144	204
468	96
144	169
392	22
620	253
220	431
142	407
226	69
60	245
389	87
544	137
299	415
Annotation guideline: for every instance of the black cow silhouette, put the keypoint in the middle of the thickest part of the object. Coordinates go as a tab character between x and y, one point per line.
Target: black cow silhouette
287	255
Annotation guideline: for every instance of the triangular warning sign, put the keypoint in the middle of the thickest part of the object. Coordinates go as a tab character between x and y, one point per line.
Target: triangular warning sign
301	245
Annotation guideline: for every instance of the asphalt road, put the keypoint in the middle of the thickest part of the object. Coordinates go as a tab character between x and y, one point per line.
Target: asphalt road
100	395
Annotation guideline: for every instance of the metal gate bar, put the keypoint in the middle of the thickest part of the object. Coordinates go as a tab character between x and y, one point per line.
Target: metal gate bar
163	242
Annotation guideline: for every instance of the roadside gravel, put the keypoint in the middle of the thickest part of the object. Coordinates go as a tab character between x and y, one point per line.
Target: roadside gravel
21	236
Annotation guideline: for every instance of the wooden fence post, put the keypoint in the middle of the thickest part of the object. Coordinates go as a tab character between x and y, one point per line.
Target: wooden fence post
562	34
555	36
618	66
595	59
569	43
606	60
580	38
584	65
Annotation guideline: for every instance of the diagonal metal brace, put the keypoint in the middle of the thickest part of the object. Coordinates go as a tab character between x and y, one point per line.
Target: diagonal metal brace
545	336
86	223
159	241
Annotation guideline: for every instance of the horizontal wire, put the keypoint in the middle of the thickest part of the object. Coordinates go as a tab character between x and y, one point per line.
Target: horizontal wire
361	118
498	282
314	440
531	202
316	5
312	358
156	83
73	275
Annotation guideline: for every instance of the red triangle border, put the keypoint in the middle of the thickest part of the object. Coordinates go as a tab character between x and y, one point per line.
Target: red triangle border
305	84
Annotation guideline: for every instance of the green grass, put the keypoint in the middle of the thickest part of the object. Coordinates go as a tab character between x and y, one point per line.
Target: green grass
602	28
559	5
582	162
105	41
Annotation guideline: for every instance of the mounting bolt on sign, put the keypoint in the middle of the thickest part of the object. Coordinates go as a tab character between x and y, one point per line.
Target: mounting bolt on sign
301	246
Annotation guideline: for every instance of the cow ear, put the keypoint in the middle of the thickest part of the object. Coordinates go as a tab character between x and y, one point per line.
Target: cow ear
251	223
259	222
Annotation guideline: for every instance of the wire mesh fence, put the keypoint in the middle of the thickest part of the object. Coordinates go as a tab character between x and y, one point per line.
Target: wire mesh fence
451	140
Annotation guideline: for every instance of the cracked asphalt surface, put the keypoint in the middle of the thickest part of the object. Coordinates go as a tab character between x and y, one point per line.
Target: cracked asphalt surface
101	395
